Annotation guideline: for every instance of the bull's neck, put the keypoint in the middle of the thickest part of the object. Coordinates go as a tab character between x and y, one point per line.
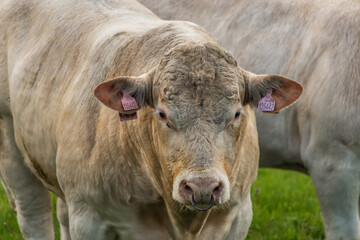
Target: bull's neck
122	159
186	224
137	145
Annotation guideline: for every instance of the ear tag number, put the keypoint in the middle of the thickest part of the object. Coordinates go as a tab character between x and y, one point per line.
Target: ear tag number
267	103
128	102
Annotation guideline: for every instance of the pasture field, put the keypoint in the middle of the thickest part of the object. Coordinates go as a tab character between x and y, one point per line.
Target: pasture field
285	207
284	203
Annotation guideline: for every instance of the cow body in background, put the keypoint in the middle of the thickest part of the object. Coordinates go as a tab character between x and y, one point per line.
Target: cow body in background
191	144
317	43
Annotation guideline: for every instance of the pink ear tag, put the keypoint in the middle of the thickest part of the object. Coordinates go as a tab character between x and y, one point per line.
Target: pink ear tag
267	103
128	102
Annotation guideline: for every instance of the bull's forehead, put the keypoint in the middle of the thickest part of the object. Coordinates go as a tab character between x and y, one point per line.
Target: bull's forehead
211	103
200	82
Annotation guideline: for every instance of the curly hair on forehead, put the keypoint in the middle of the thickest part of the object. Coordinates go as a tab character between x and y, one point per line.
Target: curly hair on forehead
195	66
196	52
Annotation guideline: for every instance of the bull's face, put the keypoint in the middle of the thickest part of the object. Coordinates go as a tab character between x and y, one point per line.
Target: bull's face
200	98
199	116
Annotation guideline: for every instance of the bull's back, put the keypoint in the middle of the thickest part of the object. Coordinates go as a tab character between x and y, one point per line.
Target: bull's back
58	51
46	45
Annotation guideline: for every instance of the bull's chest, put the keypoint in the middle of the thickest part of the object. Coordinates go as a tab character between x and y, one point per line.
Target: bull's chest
138	220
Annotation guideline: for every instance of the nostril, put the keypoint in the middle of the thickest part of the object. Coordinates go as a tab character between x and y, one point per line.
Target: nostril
186	191
217	190
187	187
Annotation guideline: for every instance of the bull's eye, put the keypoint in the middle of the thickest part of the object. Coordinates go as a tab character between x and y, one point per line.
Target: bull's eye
162	116
237	114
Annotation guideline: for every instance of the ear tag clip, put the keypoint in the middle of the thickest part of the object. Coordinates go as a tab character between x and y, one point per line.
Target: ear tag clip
267	103
129	104
127	117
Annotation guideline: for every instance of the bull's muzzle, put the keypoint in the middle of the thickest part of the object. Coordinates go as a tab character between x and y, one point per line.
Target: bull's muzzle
199	208
201	190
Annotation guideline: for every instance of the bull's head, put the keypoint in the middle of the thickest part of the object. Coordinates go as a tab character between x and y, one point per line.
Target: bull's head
202	119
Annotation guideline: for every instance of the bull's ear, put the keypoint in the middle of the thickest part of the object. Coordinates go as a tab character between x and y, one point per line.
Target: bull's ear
111	92
282	90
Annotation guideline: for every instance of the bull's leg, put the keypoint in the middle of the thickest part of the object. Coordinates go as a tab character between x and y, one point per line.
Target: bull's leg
336	177
32	200
85	223
63	217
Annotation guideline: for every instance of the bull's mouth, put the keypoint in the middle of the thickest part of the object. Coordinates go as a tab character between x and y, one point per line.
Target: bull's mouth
197	207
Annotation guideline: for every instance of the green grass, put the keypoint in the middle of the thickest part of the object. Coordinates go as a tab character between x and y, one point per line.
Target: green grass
9	229
284	203
285	206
